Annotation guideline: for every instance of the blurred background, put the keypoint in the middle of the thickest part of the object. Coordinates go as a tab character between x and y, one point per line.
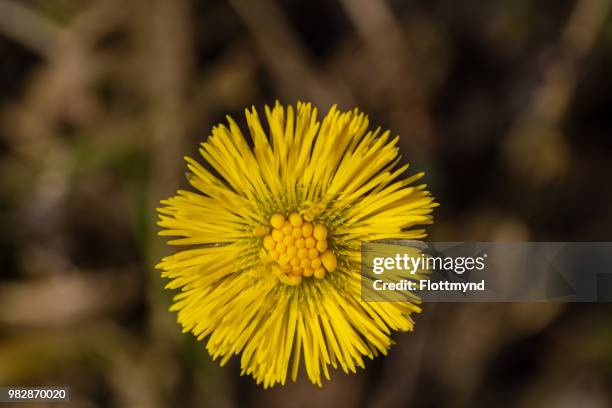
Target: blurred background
505	105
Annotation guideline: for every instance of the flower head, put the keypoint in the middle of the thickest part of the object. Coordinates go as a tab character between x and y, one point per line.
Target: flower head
272	272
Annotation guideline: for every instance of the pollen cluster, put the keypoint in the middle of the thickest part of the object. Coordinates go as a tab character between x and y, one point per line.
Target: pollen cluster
299	248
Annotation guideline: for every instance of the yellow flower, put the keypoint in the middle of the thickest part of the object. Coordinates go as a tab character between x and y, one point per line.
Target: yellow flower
272	272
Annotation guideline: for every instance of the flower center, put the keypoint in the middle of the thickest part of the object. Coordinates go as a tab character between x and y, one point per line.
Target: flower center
299	248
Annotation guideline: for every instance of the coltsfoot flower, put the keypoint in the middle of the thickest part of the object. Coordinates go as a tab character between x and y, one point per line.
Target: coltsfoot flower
272	272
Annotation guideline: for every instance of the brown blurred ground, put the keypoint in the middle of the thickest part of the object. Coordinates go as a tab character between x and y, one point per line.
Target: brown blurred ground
506	105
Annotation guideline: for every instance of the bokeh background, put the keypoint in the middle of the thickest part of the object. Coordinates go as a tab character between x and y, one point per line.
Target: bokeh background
505	105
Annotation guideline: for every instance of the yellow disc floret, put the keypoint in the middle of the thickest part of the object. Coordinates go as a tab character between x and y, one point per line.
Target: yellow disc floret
300	243
295	219
269	243
306	229
277	220
277	235
329	260
321	246
320	232
286	228
299	248
310	242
